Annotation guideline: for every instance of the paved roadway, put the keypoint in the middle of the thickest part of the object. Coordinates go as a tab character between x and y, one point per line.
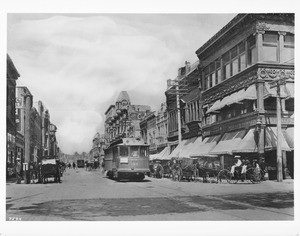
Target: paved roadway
90	196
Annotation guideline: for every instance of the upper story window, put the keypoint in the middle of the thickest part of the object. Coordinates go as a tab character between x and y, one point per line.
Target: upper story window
270	47
226	65
252	50
242	58
287	53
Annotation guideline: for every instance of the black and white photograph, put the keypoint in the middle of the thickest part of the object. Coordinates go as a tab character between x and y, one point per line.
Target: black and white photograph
168	121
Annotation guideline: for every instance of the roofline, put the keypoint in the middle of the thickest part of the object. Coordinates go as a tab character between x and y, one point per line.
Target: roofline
109	109
221	32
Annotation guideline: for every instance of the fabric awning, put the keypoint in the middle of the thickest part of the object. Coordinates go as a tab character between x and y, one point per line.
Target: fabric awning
176	151
284	90
185	151
202	148
165	152
228	142
271	140
289	136
153	156
248	94
248	143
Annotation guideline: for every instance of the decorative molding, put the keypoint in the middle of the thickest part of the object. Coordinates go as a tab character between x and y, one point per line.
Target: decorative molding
270	73
261	27
282	33
228	87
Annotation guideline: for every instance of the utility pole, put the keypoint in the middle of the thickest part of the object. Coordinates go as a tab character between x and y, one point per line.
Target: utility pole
178	113
178	92
277	83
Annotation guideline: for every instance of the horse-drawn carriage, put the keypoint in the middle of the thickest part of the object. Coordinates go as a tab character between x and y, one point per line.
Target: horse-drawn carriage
50	168
208	168
184	168
252	175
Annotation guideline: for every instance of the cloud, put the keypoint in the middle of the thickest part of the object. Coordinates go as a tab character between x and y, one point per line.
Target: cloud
78	65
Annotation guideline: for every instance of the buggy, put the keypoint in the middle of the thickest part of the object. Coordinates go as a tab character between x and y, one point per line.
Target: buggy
184	168
50	169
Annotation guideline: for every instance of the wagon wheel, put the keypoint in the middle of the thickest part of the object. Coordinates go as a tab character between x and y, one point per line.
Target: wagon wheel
180	174
211	177
233	179
223	176
195	175
253	175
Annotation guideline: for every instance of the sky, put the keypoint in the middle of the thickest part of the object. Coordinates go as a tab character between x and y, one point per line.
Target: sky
77	64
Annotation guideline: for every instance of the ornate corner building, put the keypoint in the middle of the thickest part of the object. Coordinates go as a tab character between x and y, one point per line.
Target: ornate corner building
232	109
123	118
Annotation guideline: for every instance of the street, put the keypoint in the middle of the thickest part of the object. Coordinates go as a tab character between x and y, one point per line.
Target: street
90	196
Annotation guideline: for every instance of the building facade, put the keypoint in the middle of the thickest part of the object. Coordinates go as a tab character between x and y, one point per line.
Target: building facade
235	105
154	130
123	118
12	138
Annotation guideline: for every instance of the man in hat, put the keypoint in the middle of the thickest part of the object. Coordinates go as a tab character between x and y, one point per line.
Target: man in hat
18	170
237	163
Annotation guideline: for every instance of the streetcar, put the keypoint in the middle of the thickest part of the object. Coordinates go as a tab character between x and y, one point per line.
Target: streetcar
127	158
80	163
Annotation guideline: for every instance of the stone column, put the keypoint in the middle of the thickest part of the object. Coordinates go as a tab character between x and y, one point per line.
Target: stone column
281	45
259	44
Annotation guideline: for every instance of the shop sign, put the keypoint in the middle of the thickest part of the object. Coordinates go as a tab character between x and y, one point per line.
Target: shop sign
25	166
19	103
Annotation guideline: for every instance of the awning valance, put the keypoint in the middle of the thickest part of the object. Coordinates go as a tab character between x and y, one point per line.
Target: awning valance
248	94
228	142
202	148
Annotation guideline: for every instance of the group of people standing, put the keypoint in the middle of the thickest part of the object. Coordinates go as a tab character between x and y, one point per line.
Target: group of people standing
31	174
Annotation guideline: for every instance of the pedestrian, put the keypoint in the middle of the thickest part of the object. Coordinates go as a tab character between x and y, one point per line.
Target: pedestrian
237	163
18	168
244	167
74	165
31	172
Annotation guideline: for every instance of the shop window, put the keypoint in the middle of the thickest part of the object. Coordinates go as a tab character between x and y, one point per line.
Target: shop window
289	104
287	54
270	47
270	103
